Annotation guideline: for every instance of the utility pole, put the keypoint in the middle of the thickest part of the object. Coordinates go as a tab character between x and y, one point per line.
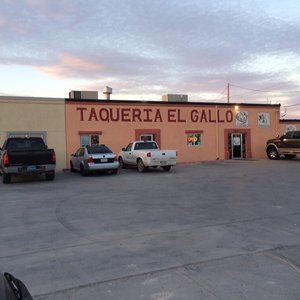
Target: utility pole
228	93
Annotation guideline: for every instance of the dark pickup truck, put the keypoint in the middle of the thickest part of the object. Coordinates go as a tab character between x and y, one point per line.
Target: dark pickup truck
287	145
26	156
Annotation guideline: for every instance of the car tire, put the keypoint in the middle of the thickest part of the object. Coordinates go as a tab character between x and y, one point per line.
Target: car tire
72	167
83	171
121	163
166	168
272	153
50	176
6	178
114	171
140	166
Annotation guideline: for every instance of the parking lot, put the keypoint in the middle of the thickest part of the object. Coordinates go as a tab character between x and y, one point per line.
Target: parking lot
215	230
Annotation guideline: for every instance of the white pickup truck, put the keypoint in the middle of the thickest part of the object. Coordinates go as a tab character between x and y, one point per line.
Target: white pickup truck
147	154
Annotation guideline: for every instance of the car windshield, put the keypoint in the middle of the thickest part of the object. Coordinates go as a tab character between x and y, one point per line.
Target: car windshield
98	149
25	144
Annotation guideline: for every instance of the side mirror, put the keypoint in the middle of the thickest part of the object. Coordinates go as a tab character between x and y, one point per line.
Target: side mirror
123	149
72	154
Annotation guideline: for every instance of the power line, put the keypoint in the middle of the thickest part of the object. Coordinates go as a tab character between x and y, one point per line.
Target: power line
262	91
253	91
292	105
221	95
249	89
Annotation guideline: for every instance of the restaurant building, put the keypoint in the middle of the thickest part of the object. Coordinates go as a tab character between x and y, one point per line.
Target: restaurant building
199	131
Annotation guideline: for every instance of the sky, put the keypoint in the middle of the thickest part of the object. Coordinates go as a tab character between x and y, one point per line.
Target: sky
144	49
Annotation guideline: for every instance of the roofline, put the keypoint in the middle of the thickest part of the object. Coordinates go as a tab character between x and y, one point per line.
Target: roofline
171	102
156	102
23	98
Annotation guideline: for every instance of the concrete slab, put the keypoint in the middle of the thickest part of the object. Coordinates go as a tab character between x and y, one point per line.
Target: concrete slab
219	230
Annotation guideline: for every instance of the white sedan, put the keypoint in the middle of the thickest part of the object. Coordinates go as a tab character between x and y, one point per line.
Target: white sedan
93	159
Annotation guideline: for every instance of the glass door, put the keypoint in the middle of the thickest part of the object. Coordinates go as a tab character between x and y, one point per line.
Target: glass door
237	145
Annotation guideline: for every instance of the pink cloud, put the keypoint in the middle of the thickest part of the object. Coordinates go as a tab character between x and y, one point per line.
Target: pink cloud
2	22
71	65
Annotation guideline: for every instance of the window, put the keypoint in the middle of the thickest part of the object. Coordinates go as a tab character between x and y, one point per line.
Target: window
79	152
194	139
41	134
145	146
98	149
89	139
34	143
289	135
147	137
128	148
297	135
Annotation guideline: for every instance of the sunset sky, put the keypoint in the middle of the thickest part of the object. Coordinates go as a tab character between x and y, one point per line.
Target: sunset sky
144	49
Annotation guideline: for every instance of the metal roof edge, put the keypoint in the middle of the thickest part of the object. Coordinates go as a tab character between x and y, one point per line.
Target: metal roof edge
171	102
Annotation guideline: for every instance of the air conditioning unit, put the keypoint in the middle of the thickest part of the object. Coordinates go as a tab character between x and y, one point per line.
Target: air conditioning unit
84	95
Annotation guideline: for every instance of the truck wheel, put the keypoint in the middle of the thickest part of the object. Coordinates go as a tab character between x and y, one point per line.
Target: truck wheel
289	156
121	163
50	176
6	178
166	168
272	153
140	166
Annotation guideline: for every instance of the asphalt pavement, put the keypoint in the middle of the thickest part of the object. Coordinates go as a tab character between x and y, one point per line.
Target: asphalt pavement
212	231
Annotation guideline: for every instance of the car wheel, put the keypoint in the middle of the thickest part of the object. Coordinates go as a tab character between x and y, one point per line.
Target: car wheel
289	156
140	166
83	171
166	168
114	171
272	153
72	167
6	178
50	176
121	163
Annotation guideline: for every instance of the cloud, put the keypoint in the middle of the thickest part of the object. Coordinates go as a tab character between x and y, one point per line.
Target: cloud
66	65
155	46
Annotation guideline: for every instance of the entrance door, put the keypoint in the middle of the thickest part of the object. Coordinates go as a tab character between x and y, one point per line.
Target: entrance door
237	141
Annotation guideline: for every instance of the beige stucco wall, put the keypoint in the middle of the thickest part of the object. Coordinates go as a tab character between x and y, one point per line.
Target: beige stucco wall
22	114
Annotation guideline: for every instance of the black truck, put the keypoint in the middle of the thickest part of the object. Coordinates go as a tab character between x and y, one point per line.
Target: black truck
26	155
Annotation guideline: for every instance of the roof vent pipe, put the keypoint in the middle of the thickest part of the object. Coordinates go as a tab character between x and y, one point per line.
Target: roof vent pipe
107	92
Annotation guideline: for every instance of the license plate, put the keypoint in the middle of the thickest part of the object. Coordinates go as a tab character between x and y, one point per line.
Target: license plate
104	160
31	168
163	163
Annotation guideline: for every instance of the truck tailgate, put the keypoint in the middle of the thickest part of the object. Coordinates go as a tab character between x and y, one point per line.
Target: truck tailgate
162	155
32	157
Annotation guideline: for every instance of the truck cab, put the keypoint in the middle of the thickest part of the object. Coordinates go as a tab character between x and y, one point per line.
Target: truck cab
287	145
